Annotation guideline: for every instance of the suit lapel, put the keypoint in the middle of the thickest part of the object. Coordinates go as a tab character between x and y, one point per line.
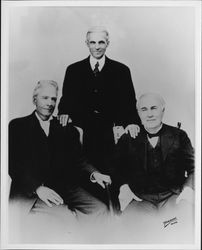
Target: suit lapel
88	74
35	128
107	64
38	143
167	140
87	66
55	128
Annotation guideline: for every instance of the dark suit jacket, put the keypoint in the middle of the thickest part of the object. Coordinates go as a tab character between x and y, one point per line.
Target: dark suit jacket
111	92
115	92
55	161
130	160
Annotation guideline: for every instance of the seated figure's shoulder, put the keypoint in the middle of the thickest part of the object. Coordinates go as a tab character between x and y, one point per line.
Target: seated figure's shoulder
71	130
21	121
176	132
174	129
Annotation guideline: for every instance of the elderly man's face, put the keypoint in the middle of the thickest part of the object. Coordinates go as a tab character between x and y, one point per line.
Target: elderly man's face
97	44
45	101
151	112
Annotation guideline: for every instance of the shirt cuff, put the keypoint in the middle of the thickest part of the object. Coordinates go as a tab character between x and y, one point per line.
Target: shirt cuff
92	178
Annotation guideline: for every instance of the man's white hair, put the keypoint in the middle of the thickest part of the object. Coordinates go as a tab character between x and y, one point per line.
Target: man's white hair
155	96
44	83
95	29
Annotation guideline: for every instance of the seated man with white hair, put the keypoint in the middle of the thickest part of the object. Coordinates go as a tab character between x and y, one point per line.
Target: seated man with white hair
46	159
156	169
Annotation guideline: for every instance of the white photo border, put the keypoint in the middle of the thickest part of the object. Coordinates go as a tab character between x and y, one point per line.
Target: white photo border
4	119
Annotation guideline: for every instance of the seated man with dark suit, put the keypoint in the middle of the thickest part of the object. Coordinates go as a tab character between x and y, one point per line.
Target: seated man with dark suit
46	160
156	169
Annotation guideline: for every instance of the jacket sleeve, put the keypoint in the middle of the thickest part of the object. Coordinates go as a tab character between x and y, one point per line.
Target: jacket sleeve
70	100
64	106
128	109
118	162
23	176
187	155
83	166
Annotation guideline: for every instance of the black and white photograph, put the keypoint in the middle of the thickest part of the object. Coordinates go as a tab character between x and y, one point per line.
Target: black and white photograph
101	125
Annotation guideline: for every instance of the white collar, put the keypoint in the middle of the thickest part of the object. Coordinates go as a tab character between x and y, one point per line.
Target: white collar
93	61
154	140
45	125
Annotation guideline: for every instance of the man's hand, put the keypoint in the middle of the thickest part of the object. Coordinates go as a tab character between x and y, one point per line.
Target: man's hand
64	119
101	179
80	130
118	132
126	196
133	129
48	195
187	194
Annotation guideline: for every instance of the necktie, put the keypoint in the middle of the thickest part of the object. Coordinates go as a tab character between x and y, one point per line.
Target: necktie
96	69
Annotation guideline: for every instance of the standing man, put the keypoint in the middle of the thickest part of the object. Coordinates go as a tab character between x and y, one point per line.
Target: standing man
46	160
156	169
98	96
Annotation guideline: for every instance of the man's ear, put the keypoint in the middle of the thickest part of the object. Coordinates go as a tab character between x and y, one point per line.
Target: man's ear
34	100
163	112
108	42
87	44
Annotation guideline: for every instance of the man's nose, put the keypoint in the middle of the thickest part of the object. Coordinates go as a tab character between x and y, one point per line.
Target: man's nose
149	113
49	102
97	46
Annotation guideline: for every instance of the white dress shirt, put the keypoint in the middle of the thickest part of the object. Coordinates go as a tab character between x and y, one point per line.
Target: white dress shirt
153	141
93	61
45	125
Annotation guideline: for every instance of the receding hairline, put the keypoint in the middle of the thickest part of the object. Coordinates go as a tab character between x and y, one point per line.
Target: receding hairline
154	95
97	29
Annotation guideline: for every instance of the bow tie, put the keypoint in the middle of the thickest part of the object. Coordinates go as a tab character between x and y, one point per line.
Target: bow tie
153	135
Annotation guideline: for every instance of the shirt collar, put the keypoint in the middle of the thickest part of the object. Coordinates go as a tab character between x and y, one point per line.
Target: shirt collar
93	61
